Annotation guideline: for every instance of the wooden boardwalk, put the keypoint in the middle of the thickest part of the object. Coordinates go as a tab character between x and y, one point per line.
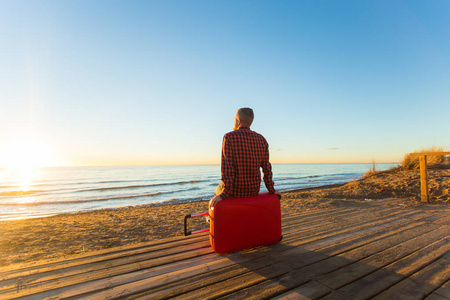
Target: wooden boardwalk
367	250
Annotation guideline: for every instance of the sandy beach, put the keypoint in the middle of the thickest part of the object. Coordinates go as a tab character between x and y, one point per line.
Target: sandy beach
29	240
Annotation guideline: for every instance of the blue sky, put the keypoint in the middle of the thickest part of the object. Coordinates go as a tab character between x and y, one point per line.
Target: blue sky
159	82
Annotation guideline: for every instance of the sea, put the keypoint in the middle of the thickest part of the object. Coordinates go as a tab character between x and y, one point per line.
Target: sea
50	191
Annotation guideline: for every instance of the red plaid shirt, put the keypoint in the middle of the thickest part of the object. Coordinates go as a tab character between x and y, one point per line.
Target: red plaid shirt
243	153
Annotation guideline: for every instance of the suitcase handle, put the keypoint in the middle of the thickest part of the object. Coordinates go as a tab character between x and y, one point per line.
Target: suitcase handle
186	233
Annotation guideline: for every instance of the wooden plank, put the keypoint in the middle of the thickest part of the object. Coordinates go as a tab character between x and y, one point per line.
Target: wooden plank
385	277
304	223
422	283
315	216
100	266
348	217
334	296
376	282
312	214
310	290
336	262
110	283
189	284
19	270
423	179
129	272
375	232
358	269
345	235
271	287
340	242
321	248
442	293
330	229
300	257
318	215
130	284
238	283
353	223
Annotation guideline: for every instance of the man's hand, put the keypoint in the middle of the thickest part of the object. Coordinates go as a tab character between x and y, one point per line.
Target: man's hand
278	194
216	199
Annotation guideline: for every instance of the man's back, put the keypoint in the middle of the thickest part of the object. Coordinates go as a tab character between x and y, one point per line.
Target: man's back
244	153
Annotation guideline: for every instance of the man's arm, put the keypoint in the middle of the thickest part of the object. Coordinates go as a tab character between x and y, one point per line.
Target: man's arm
268	179
227	167
227	172
267	170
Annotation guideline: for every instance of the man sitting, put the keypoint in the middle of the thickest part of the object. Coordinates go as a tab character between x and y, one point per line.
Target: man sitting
244	152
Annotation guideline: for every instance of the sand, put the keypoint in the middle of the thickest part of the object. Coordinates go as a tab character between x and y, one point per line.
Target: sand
55	237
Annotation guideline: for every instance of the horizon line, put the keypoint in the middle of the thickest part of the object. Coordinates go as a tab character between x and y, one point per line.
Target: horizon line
205	164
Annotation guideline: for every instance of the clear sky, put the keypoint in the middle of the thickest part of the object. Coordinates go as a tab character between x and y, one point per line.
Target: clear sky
159	82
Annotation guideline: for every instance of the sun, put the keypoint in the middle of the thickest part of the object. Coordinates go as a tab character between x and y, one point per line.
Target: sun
23	156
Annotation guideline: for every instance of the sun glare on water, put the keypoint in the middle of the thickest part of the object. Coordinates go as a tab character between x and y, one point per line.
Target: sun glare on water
23	157
25	178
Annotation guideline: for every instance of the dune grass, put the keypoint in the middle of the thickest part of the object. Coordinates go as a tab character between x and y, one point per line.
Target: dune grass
410	162
433	161
372	170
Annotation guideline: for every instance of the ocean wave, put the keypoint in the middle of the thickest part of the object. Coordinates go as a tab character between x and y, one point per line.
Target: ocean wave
81	200
25	215
62	188
343	174
186	199
138	186
55	183
295	178
8	186
331	179
20	193
75	201
318	178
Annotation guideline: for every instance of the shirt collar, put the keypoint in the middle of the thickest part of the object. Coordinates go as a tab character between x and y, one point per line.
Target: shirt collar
244	128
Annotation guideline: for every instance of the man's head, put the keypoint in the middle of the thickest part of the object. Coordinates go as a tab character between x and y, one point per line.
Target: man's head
244	117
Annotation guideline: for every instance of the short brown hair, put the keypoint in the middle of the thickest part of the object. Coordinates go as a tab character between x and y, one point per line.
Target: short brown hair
246	116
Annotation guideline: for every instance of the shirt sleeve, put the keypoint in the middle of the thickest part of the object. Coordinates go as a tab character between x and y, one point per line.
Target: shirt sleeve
267	169
227	167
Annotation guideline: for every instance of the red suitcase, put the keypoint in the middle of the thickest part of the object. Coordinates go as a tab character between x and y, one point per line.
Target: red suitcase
241	223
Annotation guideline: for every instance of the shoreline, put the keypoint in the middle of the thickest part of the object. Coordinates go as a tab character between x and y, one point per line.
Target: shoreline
160	203
313	188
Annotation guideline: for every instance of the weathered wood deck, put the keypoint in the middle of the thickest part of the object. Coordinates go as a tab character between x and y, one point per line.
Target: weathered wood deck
368	250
